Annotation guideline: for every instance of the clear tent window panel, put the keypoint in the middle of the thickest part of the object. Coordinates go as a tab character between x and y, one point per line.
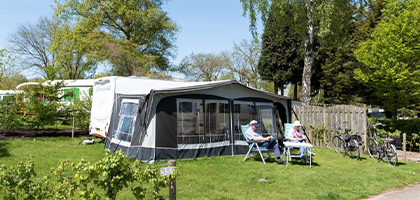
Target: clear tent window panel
266	118
217	120
126	119
243	113
190	121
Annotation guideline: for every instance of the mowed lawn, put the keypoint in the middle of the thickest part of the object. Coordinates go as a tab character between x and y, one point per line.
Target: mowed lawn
331	177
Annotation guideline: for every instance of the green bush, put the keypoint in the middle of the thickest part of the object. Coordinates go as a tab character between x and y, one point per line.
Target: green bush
77	180
10	118
80	110
41	107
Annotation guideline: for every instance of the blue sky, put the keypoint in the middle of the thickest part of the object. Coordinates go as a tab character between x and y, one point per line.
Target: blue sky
206	26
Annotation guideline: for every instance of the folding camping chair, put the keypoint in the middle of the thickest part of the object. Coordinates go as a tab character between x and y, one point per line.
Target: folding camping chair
253	146
289	146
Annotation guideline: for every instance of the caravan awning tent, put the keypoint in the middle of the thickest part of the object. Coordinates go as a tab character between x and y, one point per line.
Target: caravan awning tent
156	120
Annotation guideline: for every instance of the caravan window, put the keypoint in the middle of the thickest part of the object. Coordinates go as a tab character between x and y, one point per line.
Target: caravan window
70	94
126	120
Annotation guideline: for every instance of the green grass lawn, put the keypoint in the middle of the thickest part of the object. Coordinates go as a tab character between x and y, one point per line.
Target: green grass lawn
331	176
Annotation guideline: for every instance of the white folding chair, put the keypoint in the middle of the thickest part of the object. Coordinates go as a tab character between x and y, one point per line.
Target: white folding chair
253	146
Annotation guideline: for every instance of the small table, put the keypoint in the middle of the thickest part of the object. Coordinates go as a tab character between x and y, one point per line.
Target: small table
289	145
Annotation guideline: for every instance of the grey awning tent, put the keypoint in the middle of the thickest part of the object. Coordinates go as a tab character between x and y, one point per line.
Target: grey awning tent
174	120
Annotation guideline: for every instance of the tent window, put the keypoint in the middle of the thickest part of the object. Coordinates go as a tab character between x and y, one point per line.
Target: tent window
126	119
190	125
266	118
217	118
246	111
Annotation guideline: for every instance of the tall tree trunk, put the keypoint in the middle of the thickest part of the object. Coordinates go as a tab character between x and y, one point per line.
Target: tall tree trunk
281	85
307	68
276	87
295	90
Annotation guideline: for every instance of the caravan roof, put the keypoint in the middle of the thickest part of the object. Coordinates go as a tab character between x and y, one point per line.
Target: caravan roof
67	83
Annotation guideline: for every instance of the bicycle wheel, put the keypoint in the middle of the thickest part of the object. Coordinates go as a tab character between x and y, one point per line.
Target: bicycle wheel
338	145
373	149
391	155
354	149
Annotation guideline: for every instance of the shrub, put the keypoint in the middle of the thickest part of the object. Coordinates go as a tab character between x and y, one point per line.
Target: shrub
111	174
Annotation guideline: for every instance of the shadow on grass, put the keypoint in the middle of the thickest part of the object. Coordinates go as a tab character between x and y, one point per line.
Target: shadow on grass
298	162
4	151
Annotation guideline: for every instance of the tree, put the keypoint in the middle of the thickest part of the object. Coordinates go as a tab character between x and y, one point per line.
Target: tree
281	59
33	44
204	67
72	60
351	23
315	12
244	60
9	76
135	36
392	56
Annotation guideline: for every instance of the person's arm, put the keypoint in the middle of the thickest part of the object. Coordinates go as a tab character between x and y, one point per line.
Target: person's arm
303	135
261	138
290	135
252	135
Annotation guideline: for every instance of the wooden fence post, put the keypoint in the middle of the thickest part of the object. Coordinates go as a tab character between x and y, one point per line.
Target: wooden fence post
324	115
172	183
404	146
72	129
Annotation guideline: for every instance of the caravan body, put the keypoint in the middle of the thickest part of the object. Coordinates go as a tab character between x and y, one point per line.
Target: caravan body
71	90
107	91
6	93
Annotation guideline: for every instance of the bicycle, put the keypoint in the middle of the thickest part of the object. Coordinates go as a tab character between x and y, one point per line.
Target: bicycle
387	150
346	144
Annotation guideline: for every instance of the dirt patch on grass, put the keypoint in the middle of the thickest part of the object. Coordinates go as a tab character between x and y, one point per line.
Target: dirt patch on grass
32	133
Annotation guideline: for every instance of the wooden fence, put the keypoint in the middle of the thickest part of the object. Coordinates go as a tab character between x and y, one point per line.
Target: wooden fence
312	116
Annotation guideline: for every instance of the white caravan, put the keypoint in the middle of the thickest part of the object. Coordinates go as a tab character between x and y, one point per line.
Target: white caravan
5	93
105	92
72	89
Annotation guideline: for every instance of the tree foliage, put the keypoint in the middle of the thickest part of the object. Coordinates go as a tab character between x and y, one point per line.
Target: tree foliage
281	59
204	67
392	56
9	74
244	60
135	36
308	13
33	44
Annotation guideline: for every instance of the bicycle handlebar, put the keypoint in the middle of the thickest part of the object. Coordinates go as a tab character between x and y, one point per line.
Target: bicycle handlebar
377	124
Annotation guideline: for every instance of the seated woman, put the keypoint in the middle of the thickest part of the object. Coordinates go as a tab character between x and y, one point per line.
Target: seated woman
295	134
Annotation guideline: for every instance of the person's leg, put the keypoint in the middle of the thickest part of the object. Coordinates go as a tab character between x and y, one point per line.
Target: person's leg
273	144
302	150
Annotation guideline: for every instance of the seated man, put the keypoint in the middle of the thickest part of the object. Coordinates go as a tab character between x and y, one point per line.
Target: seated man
295	134
269	142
